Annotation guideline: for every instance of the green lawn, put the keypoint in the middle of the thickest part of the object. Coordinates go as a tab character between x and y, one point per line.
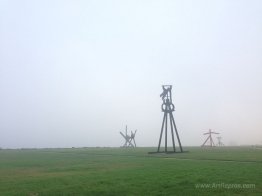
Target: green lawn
119	171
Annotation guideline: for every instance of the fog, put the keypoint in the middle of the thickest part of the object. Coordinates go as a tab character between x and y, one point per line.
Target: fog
75	73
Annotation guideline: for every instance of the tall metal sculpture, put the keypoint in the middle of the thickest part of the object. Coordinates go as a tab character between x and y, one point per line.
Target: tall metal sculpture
209	138
129	140
168	108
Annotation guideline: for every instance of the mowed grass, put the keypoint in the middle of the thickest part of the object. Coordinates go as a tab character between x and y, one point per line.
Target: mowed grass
120	171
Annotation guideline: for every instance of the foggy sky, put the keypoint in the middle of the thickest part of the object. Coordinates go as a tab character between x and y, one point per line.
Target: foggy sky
74	73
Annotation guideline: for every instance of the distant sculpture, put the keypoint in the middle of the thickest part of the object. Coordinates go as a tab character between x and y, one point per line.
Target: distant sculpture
220	143
209	141
129	140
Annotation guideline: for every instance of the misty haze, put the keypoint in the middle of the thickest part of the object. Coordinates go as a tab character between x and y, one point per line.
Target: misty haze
74	74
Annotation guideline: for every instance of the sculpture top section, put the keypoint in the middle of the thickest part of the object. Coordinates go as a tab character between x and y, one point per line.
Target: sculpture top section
166	95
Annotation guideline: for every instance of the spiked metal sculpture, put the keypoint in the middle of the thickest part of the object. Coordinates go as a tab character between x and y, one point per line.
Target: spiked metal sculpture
219	141
209	139
168	108
129	140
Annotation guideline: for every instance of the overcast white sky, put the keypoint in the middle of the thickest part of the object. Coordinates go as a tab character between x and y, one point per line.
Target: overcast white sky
74	73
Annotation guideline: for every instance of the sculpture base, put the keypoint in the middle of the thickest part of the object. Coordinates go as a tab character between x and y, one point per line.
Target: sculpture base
167	152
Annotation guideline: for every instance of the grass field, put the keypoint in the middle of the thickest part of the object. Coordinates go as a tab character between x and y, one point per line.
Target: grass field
120	171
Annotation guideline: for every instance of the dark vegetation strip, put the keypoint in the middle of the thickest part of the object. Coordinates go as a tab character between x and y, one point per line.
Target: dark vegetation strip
163	156
221	160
